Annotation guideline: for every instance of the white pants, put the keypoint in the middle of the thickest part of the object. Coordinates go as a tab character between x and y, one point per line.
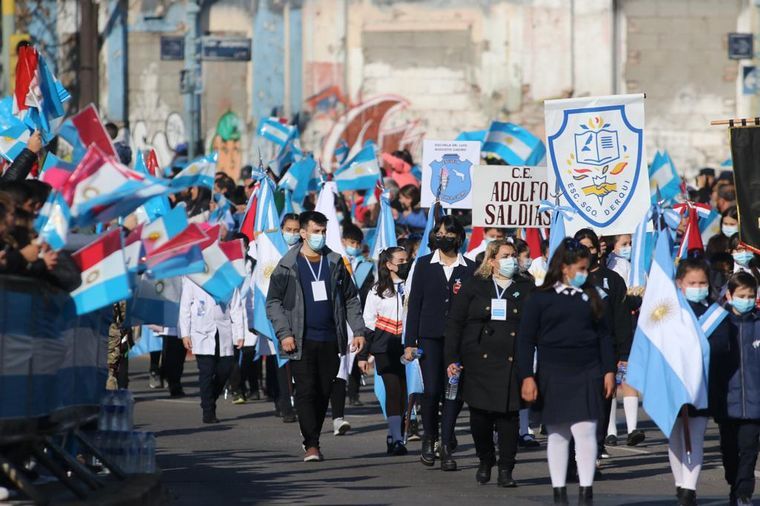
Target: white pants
686	474
584	434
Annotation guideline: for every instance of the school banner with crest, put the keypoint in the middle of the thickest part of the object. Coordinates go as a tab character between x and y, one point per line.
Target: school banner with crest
447	173
597	161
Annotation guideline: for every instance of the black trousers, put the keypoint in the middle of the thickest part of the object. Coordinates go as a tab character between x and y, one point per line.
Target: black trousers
243	375
283	388
739	447
602	423
354	381
338	398
313	376
507	426
213	373
155	362
435	379
173	365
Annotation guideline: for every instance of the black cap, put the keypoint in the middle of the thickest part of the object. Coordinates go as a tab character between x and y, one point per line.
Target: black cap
727	175
246	172
707	171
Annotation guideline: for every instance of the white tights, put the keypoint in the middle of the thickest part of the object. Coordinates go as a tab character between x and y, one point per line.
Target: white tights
685	474
584	434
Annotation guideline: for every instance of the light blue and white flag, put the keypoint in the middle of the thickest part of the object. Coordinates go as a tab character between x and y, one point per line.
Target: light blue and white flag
156	302
557	229
53	221
297	178
270	248
266	217
514	144
199	172
709	225
663	176
641	252
13	132
476	135
272	130
359	173
386	228
223	212
670	356
434	213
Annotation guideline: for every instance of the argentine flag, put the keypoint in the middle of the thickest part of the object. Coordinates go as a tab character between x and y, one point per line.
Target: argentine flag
663	176
156	302
513	144
13	132
270	248
272	130
670	356
297	178
199	172
386	228
220	277
161	230
359	173
53	221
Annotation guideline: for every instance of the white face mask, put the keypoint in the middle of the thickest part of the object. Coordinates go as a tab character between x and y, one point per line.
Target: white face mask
729	230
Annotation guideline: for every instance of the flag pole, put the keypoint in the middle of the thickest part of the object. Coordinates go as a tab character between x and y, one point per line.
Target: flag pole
686	432
732	122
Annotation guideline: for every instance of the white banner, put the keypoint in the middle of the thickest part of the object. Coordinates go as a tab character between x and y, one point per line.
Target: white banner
597	161
508	196
447	168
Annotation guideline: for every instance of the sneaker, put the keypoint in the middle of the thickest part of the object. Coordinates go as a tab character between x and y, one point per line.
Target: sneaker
528	441
743	501
313	455
635	437
155	381
340	426
414	431
238	399
611	440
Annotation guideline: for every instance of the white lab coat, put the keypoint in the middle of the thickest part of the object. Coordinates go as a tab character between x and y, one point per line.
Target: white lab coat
200	318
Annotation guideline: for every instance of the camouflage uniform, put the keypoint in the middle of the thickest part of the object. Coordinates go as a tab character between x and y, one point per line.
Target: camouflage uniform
119	341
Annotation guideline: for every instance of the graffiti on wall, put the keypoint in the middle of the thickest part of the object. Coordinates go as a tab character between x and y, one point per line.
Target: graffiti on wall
382	119
163	140
226	142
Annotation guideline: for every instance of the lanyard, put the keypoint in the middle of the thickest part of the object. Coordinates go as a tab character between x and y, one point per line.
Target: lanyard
319	272
499	295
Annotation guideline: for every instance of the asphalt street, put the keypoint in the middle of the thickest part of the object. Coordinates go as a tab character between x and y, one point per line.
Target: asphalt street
251	457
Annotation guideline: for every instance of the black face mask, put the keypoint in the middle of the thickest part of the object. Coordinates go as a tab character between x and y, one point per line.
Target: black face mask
445	244
403	270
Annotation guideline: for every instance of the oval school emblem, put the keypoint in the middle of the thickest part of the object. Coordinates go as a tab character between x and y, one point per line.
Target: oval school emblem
451	175
597	167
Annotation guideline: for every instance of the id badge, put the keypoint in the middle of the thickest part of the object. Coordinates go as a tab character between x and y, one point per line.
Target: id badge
319	291
498	309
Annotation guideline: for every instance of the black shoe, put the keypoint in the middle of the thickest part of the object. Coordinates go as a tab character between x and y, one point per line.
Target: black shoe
289	417
427	455
483	474
611	440
585	496
635	437
210	419
447	461
505	479
176	392
354	401
528	441
398	449
687	497
254	396
560	495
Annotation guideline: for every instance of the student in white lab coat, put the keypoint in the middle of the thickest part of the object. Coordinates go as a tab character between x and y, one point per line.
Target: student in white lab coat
210	331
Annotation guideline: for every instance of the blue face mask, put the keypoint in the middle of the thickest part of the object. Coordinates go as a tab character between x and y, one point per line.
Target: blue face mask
743	305
507	267
742	257
353	252
625	252
729	230
696	293
291	237
579	279
317	241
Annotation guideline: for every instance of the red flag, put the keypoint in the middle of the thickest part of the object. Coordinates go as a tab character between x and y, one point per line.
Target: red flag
91	130
26	72
151	162
476	238
533	238
249	219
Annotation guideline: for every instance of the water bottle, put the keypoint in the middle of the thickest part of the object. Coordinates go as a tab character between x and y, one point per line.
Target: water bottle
415	355
105	414
119	409
620	375
150	450
452	388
